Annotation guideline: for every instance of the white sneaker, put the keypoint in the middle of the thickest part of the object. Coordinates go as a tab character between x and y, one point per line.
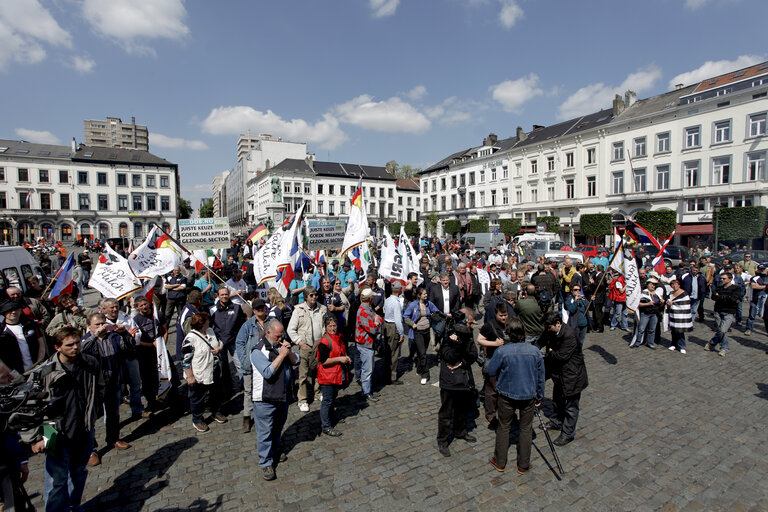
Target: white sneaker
303	407
672	348
682	351
423	380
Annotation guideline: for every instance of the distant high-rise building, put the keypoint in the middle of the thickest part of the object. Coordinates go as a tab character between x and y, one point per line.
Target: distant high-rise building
113	133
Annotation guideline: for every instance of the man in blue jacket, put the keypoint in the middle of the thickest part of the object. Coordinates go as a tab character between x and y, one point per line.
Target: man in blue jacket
519	371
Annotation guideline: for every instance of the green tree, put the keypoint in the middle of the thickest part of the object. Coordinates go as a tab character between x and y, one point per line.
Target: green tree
553	223
479	226
206	210
510	227
742	223
411	228
432	223
451	227
660	223
394	229
185	209
595	224
402	171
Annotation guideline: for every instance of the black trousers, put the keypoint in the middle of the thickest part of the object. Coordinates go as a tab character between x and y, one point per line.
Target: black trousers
597	316
453	405
421	343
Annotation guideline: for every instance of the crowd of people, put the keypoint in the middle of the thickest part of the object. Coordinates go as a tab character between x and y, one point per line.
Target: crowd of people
519	321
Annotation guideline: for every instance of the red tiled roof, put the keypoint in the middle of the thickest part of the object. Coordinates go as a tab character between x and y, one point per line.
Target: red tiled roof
732	77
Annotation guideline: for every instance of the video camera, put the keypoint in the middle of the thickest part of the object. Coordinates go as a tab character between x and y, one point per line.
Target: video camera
24	404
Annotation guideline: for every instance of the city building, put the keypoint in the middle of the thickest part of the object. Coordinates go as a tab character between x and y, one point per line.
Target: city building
686	150
75	192
114	133
220	194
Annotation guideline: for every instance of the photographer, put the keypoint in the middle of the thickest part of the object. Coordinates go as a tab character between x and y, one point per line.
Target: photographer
576	306
75	386
457	354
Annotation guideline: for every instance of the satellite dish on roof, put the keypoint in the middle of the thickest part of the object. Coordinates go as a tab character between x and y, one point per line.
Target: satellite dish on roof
541	227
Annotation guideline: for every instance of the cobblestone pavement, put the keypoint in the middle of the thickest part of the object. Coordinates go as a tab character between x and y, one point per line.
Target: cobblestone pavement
658	431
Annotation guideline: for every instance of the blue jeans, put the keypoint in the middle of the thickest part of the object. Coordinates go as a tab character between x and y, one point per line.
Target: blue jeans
134	380
366	368
329	392
753	311
566	410
723	323
268	420
532	339
581	333
694	308
647	328
65	475
619	312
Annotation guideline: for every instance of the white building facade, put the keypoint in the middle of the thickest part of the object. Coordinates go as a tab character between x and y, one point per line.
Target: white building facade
686	151
219	196
68	193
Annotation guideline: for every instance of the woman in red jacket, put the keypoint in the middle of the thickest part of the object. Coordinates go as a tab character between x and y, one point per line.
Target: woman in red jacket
332	371
618	295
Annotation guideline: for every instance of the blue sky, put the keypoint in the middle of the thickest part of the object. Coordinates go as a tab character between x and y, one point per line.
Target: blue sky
361	81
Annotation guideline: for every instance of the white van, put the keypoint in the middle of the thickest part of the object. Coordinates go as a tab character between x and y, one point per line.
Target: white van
16	265
483	242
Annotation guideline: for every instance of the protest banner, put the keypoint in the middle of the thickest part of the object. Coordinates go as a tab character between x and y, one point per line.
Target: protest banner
112	276
325	234
204	233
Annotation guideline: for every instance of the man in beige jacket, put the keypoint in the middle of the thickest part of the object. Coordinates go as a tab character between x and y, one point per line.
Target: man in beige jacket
305	329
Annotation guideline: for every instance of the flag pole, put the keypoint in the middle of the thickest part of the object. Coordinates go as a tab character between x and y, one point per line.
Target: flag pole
615	252
50	282
247	309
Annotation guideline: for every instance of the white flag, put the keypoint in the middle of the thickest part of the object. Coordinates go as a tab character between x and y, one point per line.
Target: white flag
632	281
156	256
355	244
617	261
391	266
112	276
410	258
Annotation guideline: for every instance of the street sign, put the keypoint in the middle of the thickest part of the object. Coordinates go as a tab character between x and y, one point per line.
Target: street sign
204	233
325	234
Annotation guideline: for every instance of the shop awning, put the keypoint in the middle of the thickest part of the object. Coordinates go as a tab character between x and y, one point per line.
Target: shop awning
694	229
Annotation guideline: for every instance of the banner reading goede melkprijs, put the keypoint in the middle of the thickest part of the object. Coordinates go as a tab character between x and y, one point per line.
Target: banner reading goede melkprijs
210	233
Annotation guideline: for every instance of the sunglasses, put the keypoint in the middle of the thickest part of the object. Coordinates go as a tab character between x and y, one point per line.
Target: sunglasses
311	295
577	289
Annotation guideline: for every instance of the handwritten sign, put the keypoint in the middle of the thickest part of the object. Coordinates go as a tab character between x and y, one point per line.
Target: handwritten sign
204	233
113	276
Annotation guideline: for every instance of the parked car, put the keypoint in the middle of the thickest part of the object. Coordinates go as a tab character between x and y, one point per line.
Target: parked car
759	256
559	256
16	265
589	251
532	249
483	242
673	254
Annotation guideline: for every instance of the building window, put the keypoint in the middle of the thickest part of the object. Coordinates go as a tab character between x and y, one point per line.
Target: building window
518	196
82	177
569	160
136	180
138	203
331	189
453	202
662	177
472	200
504	172
331	208
741	201
453	181
443	202
45	201
151	202
618	182
391	208
493	174
320	188
137	230
482	175
493	198
462	180
518	168
122	180
481	199
43	175
63	177
534	195
618	151
165	203
372	191
534	166
550	163
64	201
101	178
504	196
381	192
409	201
84	200
24	175
442	183
640	149
2	174
570	191
691	174
551	193
591	186
399	216
103	202
342	207
662	142
319	207
692	137
722	132
695	205
755	166
434	186
591	156
297	188
721	170
23	203
151	180
287	188
757	124
639	180
400	201
342	190
3	201
164	182
122	203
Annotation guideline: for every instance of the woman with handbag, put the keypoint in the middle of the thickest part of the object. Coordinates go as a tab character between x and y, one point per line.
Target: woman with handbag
417	318
202	369
332	372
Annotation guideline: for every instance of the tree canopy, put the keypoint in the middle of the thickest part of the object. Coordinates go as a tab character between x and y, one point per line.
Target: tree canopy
206	210
402	171
185	209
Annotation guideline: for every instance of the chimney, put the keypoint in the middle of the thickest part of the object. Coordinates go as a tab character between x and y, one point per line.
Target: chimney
133	120
630	98
537	127
618	105
521	135
74	145
678	87
490	140
310	162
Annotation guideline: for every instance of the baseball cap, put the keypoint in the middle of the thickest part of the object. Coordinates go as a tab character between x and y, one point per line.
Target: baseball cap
259	303
346	264
367	293
396	286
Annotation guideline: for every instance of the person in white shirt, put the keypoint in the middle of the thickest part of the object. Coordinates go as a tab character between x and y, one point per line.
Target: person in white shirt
237	285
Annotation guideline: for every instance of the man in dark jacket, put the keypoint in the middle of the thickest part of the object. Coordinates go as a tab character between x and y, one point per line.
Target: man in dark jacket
727	298
226	320
594	289
193	305
565	366
445	296
695	285
457	354
21	342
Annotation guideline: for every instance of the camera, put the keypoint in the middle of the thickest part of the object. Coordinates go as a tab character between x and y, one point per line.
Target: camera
25	405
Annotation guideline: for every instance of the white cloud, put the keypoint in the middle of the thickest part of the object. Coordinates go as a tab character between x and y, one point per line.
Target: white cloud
713	68
24	25
594	97
510	13
82	64
38	136
163	141
512	94
131	23
392	115
234	120
416	93
695	4
383	8
449	112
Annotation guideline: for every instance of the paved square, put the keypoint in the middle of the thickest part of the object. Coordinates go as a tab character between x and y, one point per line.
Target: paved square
658	431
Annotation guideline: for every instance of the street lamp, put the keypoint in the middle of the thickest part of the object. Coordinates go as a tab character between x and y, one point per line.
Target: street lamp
716	217
572	241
